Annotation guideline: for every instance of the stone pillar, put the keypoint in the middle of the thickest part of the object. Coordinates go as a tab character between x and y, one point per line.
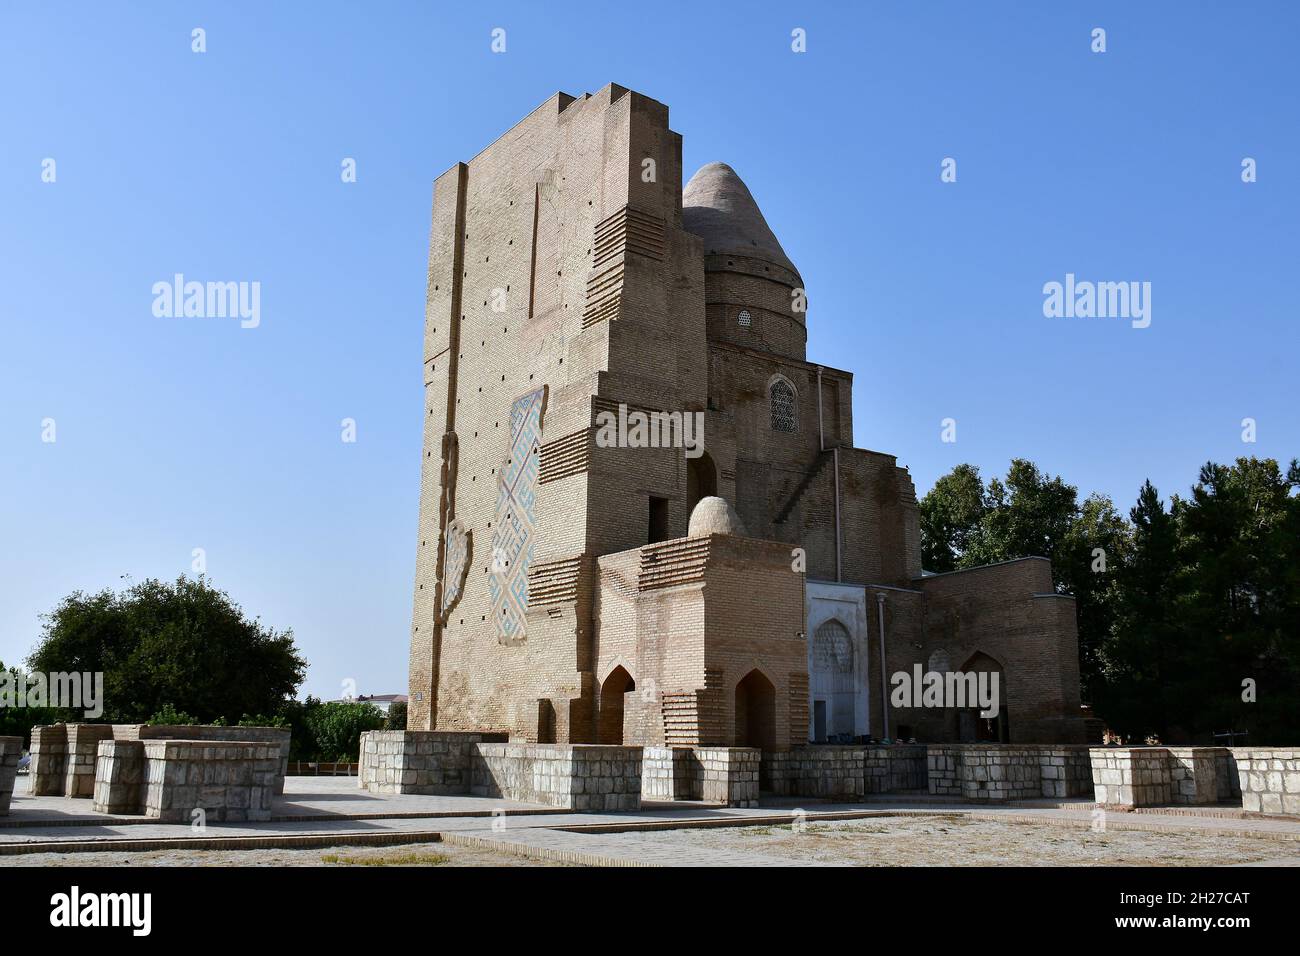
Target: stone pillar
1270	779
119	777
669	773
11	748
83	750
49	760
729	775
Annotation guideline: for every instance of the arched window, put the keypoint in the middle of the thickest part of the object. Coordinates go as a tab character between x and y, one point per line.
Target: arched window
784	413
745	319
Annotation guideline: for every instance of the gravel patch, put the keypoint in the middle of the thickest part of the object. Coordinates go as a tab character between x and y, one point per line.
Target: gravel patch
942	840
414	855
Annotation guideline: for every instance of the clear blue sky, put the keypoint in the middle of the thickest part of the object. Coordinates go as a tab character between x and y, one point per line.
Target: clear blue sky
174	434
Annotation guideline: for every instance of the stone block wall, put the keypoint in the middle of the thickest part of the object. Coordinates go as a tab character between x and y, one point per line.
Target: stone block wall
11	748
1193	774
1000	772
119	777
729	775
1065	771
894	769
595	777
49	758
410	761
670	773
1269	779
1131	776
278	736
228	780
943	766
834	773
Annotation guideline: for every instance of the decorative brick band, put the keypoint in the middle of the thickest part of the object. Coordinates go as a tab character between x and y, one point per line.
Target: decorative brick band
628	230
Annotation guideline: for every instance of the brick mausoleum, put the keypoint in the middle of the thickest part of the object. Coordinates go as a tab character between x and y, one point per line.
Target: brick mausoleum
571	593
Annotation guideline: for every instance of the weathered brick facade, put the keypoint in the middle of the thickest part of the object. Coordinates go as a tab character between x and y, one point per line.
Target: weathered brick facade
559	597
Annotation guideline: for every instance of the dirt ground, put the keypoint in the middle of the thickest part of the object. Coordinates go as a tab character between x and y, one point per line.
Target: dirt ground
416	855
957	841
932	840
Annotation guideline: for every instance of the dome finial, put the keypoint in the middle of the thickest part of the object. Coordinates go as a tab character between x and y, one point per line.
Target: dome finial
714	515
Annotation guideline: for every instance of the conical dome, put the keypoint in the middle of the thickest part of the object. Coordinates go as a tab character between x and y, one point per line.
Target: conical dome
718	207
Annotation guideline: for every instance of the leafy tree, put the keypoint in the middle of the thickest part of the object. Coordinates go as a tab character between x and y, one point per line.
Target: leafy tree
1028	514
396	716
950	515
167	645
337	727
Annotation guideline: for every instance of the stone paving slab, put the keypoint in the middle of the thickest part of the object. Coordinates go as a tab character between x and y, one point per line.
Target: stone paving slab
306	798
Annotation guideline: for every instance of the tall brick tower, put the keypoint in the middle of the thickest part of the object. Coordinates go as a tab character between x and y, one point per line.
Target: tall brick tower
560	282
564	591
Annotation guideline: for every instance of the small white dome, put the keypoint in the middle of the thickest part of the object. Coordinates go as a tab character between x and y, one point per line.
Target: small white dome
714	515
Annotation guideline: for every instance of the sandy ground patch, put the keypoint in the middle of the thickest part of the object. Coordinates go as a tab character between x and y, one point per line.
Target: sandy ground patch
957	841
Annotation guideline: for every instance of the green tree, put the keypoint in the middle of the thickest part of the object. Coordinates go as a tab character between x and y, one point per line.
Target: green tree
1239	600
1087	563
337	727
950	515
1136	664
183	645
396	716
1028	514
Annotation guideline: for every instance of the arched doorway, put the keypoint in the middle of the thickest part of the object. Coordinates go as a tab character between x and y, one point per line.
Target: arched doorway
832	685
756	712
701	480
610	726
978	672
